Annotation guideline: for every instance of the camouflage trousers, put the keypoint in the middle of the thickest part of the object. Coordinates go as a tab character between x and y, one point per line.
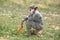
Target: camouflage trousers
35	25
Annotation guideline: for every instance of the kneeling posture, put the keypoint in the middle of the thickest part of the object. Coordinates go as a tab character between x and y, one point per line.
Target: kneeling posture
34	21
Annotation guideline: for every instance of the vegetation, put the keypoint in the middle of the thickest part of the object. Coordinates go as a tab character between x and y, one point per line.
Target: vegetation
12	11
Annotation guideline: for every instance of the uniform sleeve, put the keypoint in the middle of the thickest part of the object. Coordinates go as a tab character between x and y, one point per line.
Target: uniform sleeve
26	18
39	18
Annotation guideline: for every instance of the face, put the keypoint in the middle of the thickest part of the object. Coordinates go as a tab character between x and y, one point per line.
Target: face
32	10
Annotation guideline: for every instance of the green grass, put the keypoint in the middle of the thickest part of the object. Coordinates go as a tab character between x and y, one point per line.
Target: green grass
11	14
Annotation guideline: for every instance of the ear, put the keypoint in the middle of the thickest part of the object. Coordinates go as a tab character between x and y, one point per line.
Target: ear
36	8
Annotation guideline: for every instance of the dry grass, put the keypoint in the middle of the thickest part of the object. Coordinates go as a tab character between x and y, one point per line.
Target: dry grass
11	13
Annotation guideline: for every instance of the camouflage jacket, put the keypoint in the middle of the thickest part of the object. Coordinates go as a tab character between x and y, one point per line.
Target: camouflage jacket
36	17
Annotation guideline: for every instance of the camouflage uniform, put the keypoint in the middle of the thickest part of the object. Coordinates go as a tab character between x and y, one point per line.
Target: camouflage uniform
34	21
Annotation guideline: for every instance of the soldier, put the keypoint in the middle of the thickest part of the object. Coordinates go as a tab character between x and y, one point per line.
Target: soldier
33	20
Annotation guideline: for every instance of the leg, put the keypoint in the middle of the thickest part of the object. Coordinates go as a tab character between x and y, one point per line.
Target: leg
38	30
28	27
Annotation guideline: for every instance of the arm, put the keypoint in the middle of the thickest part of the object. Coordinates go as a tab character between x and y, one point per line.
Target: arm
24	19
39	18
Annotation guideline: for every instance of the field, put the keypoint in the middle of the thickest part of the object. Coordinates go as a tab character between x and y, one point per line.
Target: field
12	11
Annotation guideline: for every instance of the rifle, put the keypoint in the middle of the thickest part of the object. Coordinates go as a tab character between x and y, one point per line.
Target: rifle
20	29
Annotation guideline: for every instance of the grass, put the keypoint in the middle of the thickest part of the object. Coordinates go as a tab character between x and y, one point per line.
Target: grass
11	14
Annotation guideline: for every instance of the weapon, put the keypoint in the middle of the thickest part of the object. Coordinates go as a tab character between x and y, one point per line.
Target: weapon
20	29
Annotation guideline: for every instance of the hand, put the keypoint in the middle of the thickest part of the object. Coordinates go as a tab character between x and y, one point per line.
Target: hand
22	21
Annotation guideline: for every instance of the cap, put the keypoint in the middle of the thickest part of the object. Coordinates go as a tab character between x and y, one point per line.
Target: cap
33	6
